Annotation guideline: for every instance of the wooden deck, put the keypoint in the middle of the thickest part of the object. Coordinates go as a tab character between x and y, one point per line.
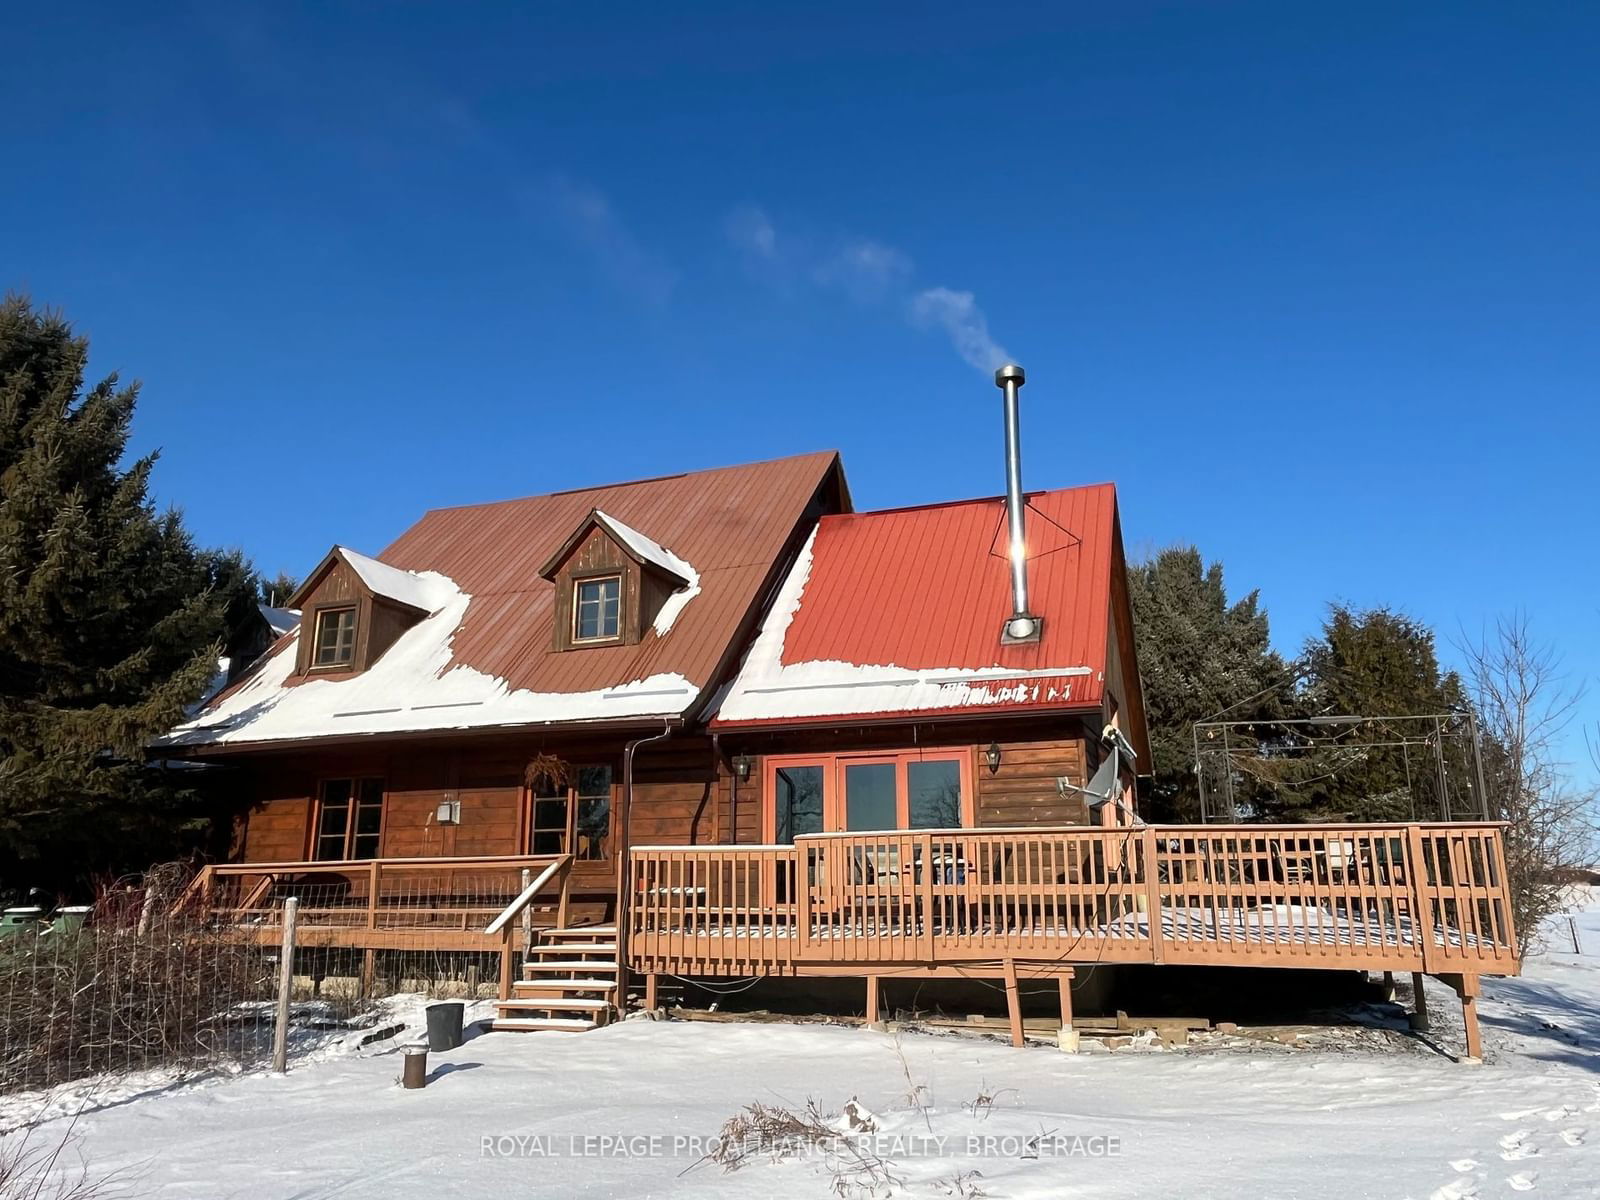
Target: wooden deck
1005	903
383	904
1416	897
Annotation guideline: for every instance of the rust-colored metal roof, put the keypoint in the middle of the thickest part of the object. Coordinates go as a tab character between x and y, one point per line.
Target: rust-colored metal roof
730	523
482	654
895	610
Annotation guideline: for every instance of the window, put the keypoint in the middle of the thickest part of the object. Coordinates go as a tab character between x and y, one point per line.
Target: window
549	819
336	638
574	816
857	792
349	819
798	796
869	796
597	609
933	794
593	820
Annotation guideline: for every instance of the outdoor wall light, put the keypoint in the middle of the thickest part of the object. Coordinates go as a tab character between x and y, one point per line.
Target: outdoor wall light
992	757
743	765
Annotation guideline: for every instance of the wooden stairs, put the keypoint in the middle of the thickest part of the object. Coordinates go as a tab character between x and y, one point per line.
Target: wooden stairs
568	984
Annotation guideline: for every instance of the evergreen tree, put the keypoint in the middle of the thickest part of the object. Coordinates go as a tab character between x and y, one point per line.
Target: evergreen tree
1198	656
1377	664
110	618
275	592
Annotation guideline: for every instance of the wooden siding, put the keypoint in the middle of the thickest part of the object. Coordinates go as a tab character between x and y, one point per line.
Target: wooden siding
277	830
681	796
1024	790
675	790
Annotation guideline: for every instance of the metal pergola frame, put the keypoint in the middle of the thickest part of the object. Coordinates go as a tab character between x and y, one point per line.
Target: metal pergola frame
1433	729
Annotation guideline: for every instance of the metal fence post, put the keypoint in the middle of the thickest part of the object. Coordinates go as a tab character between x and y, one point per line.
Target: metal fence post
280	1034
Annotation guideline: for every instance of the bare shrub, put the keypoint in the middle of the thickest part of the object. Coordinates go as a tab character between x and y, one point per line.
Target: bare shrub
769	1132
963	1186
31	1169
981	1105
1523	705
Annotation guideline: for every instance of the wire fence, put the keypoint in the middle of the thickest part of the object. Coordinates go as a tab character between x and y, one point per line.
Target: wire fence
94	994
157	974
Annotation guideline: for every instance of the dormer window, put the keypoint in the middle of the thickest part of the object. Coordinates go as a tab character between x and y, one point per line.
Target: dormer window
336	638
614	586
597	609
355	609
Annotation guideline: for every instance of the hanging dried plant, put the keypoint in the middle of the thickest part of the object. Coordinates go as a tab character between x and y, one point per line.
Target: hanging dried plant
548	770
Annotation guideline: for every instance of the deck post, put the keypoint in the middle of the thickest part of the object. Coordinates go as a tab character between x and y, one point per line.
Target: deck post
564	902
1067	1037
1013	1002
1419	1017
1152	885
1468	988
1421	903
1388	986
369	971
527	912
801	887
873	1021
507	956
651	998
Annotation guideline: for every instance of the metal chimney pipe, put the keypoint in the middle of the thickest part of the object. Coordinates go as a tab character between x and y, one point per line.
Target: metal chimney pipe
1021	625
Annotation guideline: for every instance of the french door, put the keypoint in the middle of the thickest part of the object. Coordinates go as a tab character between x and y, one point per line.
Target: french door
850	793
862	793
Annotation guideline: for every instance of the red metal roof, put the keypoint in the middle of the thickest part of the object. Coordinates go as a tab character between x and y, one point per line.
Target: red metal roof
926	590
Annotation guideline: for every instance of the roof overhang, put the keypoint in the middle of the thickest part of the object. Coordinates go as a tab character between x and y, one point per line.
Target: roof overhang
910	716
201	751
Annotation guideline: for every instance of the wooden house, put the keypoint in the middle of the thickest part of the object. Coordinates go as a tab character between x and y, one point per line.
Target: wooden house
720	724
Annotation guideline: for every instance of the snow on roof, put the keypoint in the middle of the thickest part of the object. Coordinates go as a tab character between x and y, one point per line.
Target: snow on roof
659	556
279	620
650	551
412	686
768	689
427	591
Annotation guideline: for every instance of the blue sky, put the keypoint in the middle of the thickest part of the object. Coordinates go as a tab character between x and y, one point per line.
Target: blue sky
1315	285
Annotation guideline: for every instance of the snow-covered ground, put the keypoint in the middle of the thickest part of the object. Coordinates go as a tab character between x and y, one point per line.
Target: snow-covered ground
625	1111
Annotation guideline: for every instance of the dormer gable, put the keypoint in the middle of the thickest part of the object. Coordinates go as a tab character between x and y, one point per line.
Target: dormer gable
614	585
353	608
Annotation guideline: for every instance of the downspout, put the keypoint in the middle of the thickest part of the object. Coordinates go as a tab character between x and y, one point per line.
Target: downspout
625	836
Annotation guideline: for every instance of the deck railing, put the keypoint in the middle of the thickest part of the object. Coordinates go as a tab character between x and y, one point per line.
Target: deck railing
1402	897
399	903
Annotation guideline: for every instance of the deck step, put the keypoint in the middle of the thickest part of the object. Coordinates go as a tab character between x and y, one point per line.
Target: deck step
573	964
556	985
535	1024
580	931
573	1003
573	947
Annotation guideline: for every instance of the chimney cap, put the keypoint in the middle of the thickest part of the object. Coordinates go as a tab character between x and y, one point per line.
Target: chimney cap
1009	372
